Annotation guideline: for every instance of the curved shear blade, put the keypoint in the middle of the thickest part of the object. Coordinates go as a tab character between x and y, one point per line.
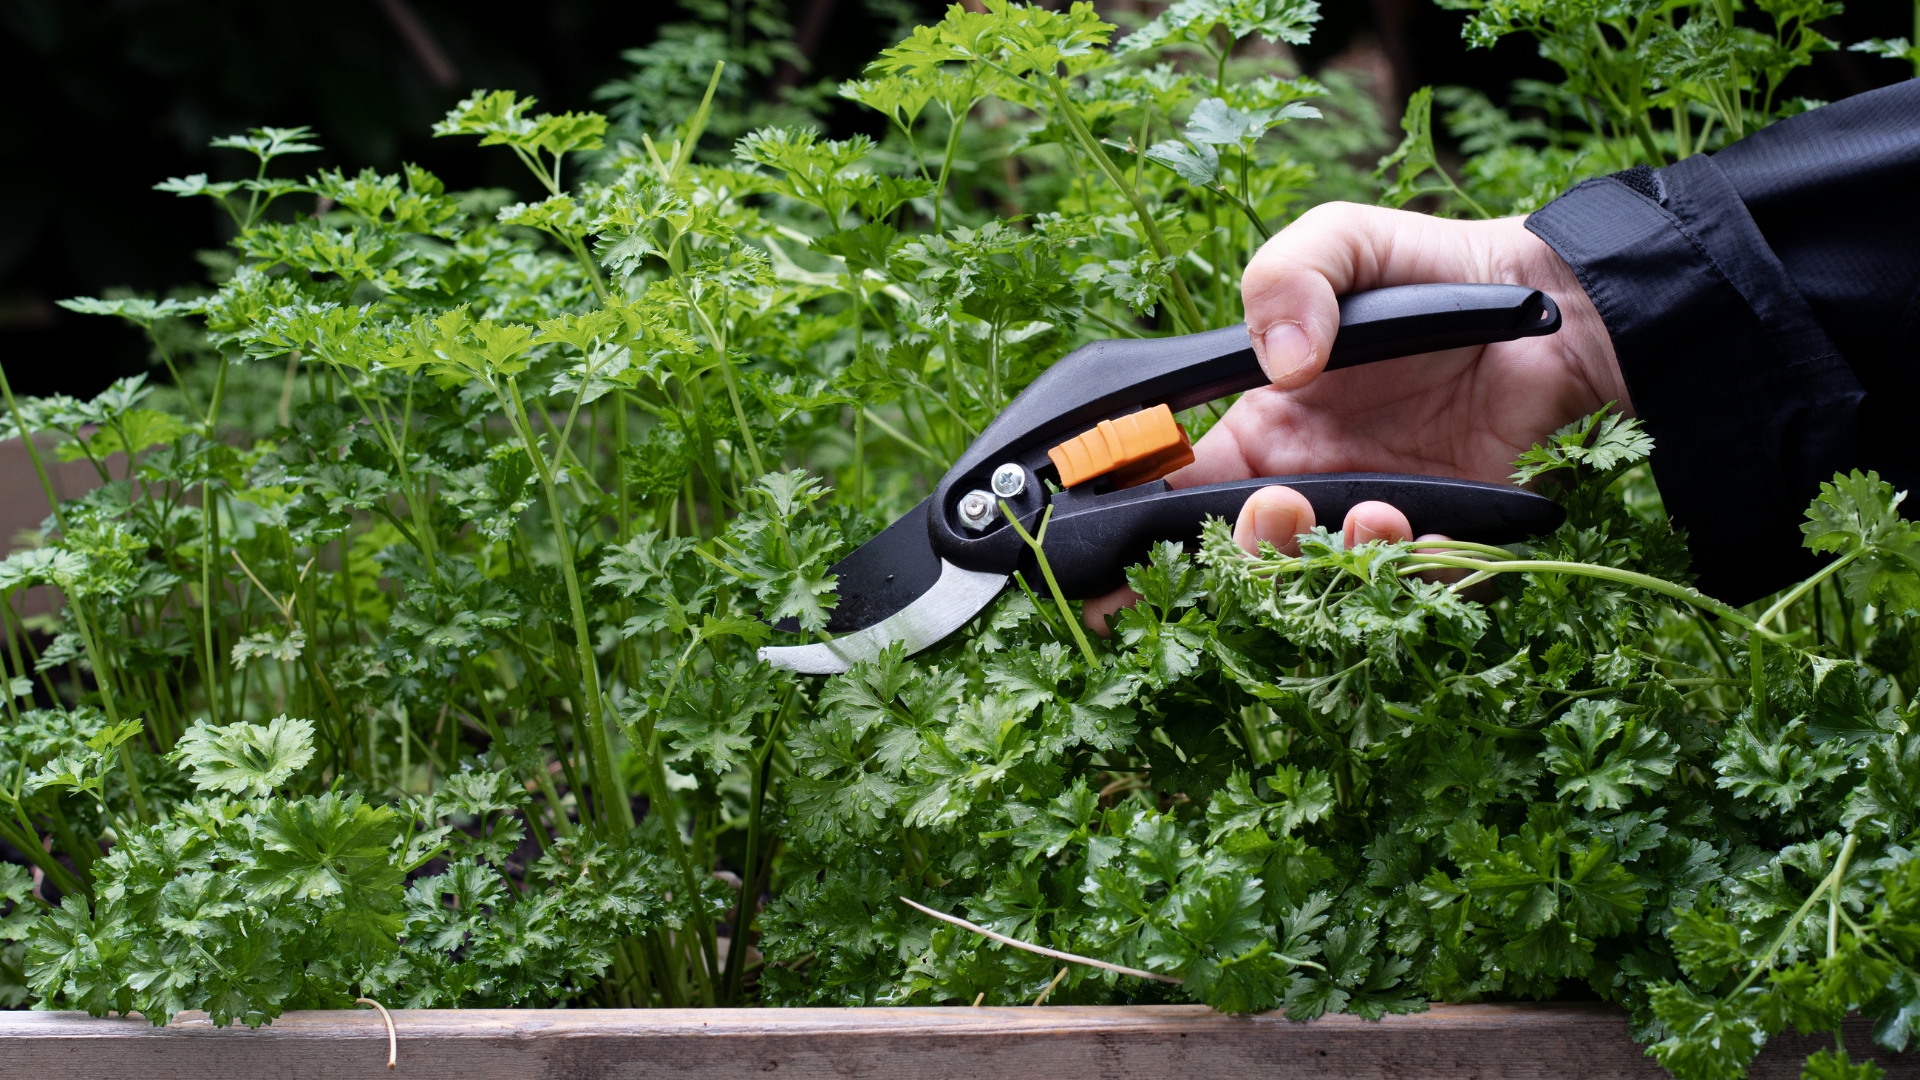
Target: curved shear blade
957	596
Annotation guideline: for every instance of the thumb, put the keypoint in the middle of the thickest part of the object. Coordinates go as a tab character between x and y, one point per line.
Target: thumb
1290	289
1290	286
1294	341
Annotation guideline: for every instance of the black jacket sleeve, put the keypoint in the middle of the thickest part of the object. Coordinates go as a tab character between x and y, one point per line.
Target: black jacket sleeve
1765	306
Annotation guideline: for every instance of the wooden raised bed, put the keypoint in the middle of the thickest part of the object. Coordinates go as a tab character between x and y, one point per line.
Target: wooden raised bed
1449	1042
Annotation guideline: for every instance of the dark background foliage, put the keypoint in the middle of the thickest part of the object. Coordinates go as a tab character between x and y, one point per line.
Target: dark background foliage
105	97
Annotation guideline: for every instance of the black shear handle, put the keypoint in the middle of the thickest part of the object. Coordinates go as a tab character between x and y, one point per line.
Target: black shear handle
1092	539
1108	378
1111	378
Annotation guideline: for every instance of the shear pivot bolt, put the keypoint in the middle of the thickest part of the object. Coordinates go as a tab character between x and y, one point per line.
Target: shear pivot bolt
1009	480
976	509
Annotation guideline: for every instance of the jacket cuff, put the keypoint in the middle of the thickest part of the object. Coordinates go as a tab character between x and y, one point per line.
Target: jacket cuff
1749	404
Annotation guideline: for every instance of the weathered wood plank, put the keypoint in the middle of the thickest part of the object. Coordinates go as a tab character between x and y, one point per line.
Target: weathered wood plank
1449	1042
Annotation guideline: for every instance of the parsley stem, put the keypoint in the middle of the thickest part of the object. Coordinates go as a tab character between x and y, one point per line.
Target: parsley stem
1712	637
1059	598
1462	545
1832	880
1078	126
1801	589
719	343
1648	582
904	440
33	452
612	809
697	124
103	678
209	541
956	124
1116	327
26	841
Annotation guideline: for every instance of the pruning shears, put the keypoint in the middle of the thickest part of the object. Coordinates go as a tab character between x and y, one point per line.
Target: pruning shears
1093	437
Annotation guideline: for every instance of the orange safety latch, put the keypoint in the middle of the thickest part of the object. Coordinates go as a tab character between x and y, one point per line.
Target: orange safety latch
1136	448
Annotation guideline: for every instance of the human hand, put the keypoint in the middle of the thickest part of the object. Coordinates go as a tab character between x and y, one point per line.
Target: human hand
1464	413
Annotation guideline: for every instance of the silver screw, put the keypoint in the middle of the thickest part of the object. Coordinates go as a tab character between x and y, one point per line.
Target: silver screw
976	509
1009	480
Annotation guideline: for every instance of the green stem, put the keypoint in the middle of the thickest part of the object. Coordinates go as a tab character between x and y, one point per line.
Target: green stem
1466	545
103	677
1140	147
1034	542
719	344
1832	880
83	852
1606	573
18	663
28	844
1117	327
1402	712
210	543
697	125
1251	215
1092	146
623	501
422	534
612	810
709	464
955	123
1462	195
859	459
901	438
735	974
1801	589
33	452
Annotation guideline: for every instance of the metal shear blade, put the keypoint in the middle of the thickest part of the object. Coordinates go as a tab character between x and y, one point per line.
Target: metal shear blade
957	596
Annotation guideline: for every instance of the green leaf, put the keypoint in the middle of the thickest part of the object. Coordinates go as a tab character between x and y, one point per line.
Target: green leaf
501	117
1775	769
1642	758
78	959
1857	514
1604	442
337	854
1710	1039
1198	164
1896	48
1415	156
267	143
709	721
245	758
1061	822
1835	1065
865	248
1290	21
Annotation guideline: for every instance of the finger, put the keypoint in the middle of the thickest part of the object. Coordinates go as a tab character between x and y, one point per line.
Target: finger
1334	249
1445	576
1097	611
1370	521
1276	515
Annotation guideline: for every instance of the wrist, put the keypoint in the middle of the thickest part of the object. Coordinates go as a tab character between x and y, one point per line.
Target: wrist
1586	348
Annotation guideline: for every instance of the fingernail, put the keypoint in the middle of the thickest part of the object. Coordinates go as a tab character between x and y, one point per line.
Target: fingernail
1277	525
1363	534
1287	351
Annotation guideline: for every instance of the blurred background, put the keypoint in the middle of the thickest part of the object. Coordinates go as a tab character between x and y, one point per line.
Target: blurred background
109	96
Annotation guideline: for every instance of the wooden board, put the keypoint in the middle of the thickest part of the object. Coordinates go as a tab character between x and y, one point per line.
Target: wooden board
1449	1042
